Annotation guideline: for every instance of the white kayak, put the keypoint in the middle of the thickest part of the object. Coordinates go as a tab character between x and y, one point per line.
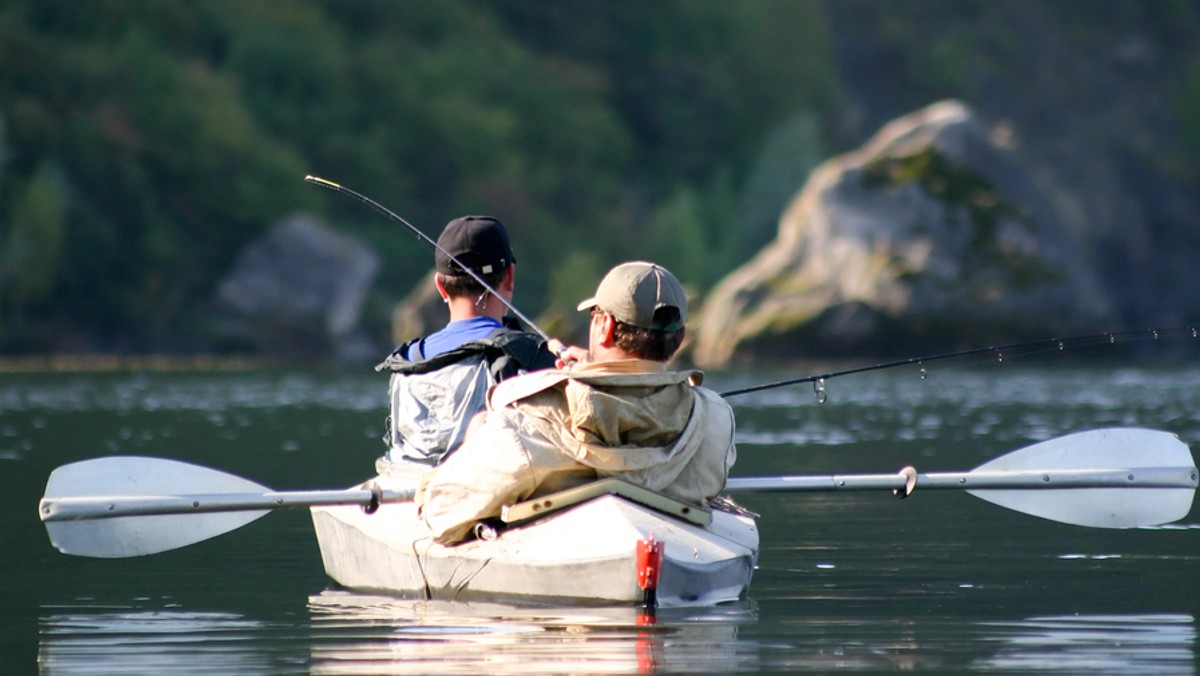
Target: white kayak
578	546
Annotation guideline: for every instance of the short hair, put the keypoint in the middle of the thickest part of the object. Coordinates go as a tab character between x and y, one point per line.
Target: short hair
649	343
466	285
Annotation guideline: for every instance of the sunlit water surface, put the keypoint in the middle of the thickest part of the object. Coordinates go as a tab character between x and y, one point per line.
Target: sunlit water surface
856	581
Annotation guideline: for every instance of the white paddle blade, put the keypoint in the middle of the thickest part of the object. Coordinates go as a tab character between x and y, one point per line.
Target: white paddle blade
1097	507
126	536
121	476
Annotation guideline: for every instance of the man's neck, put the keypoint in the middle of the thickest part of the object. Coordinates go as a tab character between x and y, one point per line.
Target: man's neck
465	307
600	353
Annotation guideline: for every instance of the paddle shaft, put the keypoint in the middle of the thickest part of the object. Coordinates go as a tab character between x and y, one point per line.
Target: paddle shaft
1142	477
103	507
131	506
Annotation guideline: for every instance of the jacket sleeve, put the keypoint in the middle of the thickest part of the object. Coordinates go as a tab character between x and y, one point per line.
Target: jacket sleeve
491	469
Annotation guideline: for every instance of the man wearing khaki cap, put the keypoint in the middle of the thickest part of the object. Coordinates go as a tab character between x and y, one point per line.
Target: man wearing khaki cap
616	412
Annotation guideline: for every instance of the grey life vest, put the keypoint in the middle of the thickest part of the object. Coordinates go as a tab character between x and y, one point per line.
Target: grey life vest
432	401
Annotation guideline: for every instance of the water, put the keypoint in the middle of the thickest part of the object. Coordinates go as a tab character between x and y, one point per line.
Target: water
858	582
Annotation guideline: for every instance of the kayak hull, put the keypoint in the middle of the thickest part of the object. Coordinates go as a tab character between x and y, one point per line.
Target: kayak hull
583	554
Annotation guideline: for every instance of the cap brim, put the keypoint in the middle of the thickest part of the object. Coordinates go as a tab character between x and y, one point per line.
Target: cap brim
587	304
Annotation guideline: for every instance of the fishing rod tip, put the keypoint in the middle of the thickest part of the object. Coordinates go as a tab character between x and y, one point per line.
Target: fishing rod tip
320	181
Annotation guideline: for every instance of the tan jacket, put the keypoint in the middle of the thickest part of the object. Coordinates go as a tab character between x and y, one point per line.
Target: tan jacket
551	430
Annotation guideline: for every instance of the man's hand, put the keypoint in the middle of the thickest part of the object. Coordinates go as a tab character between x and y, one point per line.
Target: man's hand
569	356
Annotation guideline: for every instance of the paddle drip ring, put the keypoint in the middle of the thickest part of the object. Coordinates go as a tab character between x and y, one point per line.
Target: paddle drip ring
910	482
372	506
819	390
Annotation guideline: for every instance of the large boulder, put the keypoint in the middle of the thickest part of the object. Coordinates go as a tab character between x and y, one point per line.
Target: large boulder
1105	116
299	292
933	232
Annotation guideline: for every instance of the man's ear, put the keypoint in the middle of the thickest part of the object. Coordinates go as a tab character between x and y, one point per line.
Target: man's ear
437	281
608	324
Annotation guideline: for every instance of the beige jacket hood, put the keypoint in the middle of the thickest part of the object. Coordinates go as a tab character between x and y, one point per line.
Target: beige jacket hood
552	429
630	418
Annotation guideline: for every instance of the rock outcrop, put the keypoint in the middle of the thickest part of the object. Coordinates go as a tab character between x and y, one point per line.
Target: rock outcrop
932	232
1104	118
299	292
420	313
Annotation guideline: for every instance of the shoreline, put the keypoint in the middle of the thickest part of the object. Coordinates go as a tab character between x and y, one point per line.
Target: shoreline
110	363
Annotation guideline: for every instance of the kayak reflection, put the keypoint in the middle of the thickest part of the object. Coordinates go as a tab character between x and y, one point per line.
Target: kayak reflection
357	633
353	633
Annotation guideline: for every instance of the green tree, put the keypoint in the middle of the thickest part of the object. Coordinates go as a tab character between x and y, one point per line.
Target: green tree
184	130
33	245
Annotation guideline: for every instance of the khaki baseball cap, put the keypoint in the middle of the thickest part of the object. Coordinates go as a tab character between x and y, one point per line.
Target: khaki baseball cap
632	291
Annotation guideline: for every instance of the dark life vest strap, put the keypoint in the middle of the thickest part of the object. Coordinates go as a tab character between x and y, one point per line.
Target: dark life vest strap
508	351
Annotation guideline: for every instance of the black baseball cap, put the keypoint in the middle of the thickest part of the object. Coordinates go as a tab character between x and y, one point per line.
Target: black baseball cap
478	242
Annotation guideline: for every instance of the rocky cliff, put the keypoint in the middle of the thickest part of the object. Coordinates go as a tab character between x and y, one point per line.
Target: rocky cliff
1071	206
934	231
298	293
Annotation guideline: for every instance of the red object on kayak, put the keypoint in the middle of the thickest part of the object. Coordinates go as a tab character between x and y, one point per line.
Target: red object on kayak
649	562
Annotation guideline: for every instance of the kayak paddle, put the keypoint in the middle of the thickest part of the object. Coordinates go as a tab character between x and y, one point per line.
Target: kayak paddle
1109	478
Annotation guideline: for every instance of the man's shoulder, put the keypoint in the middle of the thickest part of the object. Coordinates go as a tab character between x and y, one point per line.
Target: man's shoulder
633	373
461	332
528	349
402	361
525	345
520	387
711	396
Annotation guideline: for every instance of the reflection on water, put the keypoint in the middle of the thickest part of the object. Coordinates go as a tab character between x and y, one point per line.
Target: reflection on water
350	633
365	634
1097	644
91	640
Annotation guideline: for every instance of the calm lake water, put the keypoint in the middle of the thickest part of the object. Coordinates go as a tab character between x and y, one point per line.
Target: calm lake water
857	582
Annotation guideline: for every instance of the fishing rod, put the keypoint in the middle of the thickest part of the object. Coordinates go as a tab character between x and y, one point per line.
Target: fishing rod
554	344
1060	344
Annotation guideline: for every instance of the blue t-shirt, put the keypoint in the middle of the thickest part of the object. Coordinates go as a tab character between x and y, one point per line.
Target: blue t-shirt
453	335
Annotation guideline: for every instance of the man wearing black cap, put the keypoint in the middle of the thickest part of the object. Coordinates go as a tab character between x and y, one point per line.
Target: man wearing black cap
616	412
439	382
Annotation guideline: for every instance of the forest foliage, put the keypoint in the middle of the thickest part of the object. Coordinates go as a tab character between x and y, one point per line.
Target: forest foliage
143	143
146	141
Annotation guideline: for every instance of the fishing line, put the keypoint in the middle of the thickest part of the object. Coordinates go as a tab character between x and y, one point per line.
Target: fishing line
554	344
997	353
